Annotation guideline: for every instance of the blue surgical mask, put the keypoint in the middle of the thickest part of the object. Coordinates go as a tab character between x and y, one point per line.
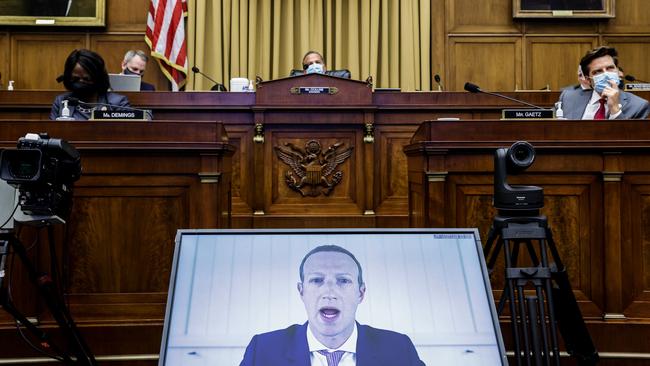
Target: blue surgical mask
601	81
315	69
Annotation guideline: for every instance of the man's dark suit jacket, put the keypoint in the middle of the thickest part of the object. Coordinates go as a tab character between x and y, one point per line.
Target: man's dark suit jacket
574	102
375	347
146	86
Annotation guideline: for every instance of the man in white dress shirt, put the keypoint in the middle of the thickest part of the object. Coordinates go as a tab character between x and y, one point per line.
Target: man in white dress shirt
604	100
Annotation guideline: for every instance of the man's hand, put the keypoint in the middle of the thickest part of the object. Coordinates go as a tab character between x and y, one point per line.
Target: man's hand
612	93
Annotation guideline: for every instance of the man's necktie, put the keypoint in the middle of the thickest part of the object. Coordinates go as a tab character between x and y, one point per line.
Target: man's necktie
600	113
333	358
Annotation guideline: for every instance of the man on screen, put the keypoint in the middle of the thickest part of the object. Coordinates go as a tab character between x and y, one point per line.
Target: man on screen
606	100
331	287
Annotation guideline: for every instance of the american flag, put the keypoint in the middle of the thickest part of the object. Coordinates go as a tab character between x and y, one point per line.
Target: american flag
166	38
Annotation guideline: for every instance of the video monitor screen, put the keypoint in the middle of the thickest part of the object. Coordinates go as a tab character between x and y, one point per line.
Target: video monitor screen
237	297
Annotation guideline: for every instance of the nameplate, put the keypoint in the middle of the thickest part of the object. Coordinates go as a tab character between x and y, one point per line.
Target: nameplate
527	114
637	86
120	115
314	90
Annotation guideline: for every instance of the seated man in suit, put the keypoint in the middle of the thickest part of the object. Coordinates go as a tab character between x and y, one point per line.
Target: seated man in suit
605	100
135	63
331	287
314	63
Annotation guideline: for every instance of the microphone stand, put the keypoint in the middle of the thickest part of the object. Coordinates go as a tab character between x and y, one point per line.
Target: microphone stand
475	89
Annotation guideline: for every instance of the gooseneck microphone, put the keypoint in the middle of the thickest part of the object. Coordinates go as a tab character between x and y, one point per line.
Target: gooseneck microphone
473	88
633	79
436	77
217	86
76	101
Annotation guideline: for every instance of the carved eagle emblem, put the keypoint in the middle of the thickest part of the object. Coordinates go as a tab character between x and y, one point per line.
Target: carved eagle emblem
312	170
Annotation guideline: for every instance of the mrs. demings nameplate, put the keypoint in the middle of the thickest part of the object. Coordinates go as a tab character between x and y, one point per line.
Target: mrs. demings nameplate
112	115
527	114
314	90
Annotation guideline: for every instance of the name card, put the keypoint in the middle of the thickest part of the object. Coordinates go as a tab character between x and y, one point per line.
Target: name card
314	90
118	115
527	114
637	86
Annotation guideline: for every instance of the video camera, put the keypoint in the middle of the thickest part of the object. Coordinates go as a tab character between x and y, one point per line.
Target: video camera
515	199
43	170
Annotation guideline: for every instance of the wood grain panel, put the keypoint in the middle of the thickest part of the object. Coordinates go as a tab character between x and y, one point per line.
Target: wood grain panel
561	27
554	61
5	53
113	47
493	63
470	16
636	247
126	15
631	17
38	59
141	243
242	170
633	55
392	169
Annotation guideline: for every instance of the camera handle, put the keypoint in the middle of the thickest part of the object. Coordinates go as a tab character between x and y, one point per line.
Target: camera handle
48	291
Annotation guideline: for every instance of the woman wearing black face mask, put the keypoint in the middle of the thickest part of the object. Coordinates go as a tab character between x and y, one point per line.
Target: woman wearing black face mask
86	79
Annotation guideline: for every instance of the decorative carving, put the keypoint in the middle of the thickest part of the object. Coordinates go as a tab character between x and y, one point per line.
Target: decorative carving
311	168
369	133
259	133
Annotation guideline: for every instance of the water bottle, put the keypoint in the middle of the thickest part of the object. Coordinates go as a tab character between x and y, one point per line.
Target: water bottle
559	113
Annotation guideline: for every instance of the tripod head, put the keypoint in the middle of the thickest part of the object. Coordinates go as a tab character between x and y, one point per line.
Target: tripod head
515	200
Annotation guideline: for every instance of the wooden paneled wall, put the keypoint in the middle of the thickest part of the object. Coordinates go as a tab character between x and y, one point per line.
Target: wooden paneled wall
34	56
482	43
476	41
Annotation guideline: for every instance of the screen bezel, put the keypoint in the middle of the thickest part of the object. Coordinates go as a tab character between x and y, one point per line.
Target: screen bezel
180	233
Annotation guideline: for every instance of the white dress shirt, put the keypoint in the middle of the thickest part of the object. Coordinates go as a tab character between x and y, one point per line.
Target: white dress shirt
349	347
594	104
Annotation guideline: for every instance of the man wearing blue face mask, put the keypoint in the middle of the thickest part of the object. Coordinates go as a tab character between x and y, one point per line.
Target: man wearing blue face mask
313	63
607	100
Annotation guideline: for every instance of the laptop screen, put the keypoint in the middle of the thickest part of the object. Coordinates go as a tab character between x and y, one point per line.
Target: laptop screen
431	285
121	82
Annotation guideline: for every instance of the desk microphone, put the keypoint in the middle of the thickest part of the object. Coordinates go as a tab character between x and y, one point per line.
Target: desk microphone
436	77
633	79
475	89
76	101
217	86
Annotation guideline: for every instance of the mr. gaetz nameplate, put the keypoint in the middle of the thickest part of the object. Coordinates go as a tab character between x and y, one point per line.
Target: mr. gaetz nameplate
113	115
527	114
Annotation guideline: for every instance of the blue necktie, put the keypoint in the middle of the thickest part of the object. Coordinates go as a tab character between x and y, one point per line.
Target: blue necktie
333	358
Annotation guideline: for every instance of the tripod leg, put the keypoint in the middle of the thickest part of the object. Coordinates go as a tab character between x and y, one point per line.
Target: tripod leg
492	258
524	323
532	301
59	312
550	302
543	324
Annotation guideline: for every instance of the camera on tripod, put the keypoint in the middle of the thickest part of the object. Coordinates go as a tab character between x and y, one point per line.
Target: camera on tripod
515	199
43	170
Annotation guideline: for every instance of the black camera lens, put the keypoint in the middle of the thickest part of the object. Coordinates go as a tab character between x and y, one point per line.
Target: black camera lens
20	166
520	155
